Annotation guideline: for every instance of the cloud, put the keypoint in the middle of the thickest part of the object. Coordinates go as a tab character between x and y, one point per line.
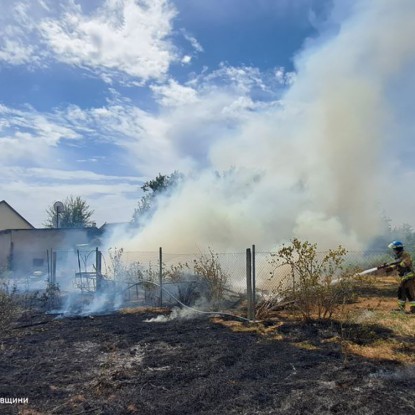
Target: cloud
27	135
192	40
41	174
35	161
242	78
186	59
15	52
191	118
174	94
283	77
42	139
123	37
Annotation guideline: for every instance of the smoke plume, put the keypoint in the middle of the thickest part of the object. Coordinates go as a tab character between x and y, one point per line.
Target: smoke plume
315	165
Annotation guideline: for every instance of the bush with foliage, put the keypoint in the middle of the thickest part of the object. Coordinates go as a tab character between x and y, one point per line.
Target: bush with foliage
209	269
315	283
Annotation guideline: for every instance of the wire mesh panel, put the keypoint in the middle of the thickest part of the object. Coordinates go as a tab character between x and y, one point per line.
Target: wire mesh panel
273	273
208	281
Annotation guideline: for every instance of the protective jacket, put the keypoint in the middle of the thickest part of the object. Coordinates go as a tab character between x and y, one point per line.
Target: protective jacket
404	267
406	289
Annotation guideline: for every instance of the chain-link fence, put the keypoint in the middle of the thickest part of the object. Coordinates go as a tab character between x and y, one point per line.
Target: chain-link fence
224	272
271	270
205	281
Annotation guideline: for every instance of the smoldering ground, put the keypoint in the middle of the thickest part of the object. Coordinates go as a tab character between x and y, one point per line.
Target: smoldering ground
119	364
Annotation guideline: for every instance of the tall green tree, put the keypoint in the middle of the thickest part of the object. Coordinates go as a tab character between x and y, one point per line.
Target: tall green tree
76	213
161	185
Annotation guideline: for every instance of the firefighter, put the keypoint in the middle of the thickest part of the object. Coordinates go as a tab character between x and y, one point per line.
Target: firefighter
406	290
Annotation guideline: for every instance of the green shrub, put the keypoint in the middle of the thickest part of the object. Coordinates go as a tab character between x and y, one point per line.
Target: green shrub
315	283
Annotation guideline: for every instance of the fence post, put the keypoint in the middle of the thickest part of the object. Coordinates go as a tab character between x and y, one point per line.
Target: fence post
249	282
98	269
161	276
253	283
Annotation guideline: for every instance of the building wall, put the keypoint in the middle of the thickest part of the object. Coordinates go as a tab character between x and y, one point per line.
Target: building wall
10	219
31	248
4	249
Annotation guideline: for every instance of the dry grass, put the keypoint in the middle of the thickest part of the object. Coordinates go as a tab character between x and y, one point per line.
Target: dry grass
142	310
240	327
399	346
306	345
383	350
359	325
374	306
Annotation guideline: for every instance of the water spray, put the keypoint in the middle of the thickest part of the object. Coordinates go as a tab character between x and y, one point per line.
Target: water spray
367	271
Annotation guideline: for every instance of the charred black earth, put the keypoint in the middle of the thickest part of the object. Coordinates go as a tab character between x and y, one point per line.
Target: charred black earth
122	364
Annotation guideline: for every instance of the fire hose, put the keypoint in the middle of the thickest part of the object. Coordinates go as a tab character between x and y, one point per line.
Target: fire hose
200	311
370	270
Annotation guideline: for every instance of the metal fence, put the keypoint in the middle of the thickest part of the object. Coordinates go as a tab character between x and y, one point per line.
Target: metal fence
205	280
253	275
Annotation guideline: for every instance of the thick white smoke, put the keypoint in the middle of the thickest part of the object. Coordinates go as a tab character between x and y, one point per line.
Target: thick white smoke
315	167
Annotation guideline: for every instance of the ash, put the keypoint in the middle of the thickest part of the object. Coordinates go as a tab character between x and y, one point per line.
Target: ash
127	364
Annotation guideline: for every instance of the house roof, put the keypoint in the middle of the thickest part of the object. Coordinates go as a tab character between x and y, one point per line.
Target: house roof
111	225
3	202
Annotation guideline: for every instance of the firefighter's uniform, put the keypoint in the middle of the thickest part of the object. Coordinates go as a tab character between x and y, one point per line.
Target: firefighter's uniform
406	290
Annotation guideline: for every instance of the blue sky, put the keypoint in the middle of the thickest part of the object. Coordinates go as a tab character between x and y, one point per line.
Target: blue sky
80	83
306	104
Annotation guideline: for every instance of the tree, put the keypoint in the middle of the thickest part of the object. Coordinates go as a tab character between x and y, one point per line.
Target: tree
161	185
76	214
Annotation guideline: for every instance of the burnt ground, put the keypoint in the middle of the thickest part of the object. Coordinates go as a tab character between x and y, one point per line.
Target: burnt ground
121	364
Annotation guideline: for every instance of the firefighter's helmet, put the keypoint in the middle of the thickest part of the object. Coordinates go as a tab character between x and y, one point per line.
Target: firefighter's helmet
396	245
